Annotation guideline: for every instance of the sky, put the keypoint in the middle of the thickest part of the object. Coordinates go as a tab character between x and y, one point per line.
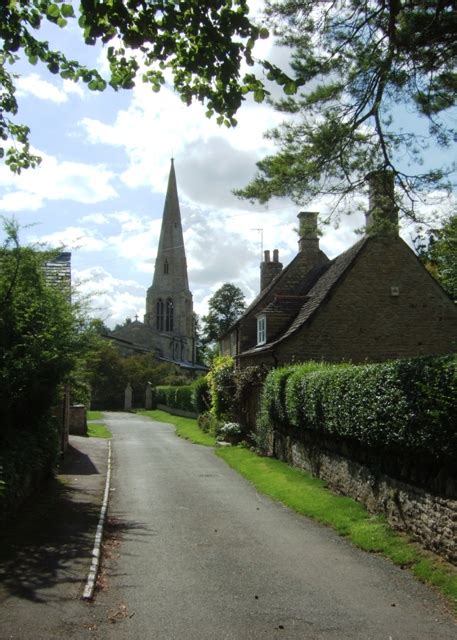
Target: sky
100	189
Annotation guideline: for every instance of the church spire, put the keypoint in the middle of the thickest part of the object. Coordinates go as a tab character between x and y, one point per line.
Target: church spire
169	309
170	271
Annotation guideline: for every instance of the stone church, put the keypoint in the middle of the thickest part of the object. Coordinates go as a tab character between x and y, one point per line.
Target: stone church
168	327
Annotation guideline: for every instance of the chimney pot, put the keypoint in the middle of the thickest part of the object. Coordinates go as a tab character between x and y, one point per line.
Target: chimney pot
269	269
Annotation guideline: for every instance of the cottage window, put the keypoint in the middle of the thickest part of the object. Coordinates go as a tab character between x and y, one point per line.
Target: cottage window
261	330
169	315
159	314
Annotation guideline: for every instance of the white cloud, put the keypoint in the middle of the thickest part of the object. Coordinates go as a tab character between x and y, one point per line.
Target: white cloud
54	180
20	201
95	218
155	127
33	85
72	87
73	238
107	297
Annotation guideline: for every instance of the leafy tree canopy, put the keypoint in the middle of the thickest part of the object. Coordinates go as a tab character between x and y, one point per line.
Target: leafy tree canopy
224	308
42	334
202	43
438	251
355	63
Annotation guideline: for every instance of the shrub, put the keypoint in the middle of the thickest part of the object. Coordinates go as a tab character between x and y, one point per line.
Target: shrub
201	399
42	337
229	432
222	387
208	423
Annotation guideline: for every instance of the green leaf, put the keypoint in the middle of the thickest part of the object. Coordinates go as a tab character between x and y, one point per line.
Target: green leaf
259	95
53	11
290	88
68	11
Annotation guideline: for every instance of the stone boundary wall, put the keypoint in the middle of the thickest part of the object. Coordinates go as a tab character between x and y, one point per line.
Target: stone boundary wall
177	412
429	518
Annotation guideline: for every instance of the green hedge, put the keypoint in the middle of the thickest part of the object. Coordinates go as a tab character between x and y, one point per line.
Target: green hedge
175	397
404	406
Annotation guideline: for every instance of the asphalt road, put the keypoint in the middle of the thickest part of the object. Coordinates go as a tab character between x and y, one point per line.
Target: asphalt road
203	556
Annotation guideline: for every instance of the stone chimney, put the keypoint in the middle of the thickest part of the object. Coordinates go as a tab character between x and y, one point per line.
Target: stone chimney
382	216
269	269
308	235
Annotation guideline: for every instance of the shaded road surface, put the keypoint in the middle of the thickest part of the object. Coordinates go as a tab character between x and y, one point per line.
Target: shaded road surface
203	556
45	552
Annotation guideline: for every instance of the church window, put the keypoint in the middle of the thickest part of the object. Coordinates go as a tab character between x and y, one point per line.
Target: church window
261	330
159	318
169	315
165	266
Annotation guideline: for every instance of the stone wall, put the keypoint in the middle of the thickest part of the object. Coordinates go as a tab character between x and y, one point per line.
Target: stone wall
430	517
78	422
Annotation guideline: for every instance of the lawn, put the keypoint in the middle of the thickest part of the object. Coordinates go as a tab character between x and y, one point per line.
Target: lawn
185	427
97	429
309	496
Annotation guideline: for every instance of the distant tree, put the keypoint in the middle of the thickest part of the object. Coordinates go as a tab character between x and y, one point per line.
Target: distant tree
355	63
203	44
224	308
98	326
108	373
121	325
438	251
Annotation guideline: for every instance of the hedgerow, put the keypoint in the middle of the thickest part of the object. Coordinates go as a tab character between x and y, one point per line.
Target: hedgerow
175	397
404	405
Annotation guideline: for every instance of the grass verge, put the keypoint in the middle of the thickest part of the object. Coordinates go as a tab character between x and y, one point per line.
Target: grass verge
186	428
98	430
94	415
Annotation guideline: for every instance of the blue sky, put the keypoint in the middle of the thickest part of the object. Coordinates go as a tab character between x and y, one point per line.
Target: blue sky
100	189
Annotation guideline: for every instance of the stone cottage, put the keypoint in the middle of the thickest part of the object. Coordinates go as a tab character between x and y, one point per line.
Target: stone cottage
373	302
168	327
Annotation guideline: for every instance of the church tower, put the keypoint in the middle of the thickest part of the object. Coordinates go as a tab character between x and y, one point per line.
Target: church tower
169	300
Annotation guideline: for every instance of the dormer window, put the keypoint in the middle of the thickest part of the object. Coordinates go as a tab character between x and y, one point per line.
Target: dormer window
261	330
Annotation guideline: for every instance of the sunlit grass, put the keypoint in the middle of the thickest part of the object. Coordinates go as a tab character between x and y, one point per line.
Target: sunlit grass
94	415
98	430
186	428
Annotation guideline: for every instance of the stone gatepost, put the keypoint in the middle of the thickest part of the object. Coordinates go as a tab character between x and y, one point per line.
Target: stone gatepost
148	398
128	398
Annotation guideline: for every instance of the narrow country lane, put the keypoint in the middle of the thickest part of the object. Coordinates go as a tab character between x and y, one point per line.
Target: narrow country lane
204	556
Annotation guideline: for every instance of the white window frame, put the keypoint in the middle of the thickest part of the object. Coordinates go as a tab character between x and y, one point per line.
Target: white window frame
261	330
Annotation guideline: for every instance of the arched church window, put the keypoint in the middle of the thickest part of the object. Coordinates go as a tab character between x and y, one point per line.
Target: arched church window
169	315
165	266
159	318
